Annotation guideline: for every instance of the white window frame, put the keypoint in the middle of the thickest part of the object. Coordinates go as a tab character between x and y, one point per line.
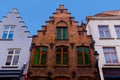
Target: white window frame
13	56
110	55
104	31
117	30
8	31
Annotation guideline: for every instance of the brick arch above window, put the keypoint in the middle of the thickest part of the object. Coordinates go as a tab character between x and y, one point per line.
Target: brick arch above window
62	23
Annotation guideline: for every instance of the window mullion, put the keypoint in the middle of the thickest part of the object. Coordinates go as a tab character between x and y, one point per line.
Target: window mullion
13	55
61	33
8	32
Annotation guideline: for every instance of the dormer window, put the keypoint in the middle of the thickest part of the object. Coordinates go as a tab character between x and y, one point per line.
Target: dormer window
8	32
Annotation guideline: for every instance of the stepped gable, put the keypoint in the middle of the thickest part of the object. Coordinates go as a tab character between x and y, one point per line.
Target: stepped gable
109	13
61	15
14	18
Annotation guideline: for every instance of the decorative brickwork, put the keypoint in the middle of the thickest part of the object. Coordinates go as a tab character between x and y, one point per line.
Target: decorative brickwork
62	36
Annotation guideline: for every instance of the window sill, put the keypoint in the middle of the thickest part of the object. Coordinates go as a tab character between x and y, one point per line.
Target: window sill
61	39
61	66
84	65
106	38
9	66
118	38
39	66
6	39
112	64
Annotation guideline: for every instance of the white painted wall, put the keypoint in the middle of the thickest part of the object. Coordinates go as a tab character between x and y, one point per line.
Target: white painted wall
92	28
21	39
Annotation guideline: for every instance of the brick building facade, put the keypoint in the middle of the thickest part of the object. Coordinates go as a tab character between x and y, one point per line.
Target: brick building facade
62	50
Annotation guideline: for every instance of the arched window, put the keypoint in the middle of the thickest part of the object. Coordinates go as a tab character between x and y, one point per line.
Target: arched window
62	55
40	55
62	32
83	55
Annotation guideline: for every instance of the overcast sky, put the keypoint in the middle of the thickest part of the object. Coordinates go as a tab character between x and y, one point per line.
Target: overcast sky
35	12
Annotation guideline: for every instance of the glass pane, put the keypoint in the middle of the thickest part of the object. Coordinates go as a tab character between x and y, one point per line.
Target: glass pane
58	58
65	49
107	58
107	34
6	28
12	28
37	50
15	60
4	36
65	59
17	51
117	28
101	34
44	49
109	50
9	58
79	49
64	33
87	58
36	59
58	49
58	33
80	59
86	49
10	36
10	52
43	59
114	58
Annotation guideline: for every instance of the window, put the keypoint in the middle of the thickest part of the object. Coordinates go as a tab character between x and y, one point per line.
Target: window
104	32
13	57
83	55
62	55
117	28
62	33
40	55
8	32
110	55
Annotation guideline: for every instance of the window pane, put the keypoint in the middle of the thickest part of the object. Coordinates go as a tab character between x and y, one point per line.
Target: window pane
9	58
87	58
6	28
107	34
86	49
12	28
65	59
58	49
114	58
117	28
101	34
10	36
64	33
107	58
37	50
58	33
15	60
43	59
44	49
65	49
10	52
17	51
58	58
79	49
36	59
80	59
4	36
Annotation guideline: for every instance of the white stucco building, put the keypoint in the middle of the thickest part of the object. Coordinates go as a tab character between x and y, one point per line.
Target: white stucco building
105	29
15	44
